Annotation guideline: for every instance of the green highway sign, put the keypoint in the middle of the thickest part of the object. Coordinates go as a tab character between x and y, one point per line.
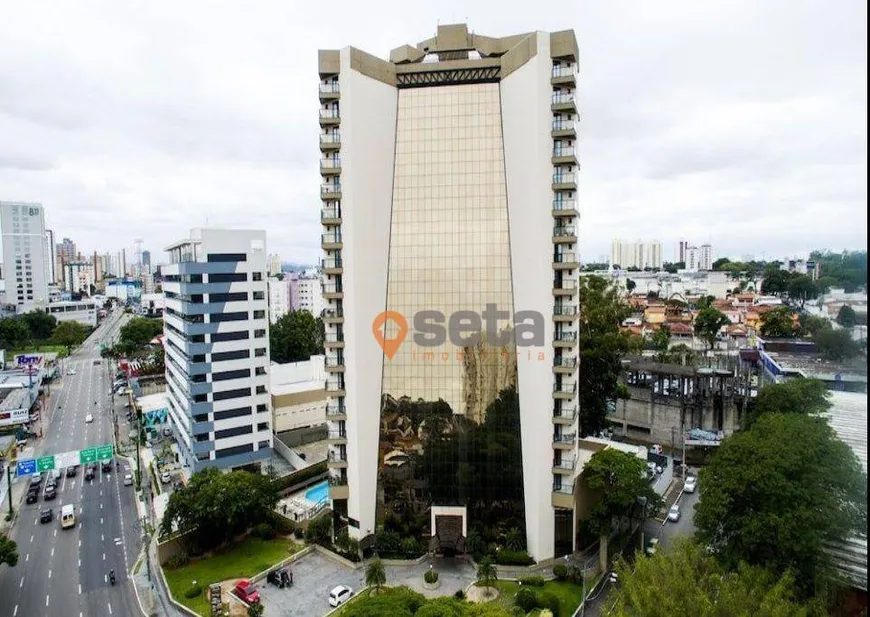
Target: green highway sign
46	463
88	455
105	453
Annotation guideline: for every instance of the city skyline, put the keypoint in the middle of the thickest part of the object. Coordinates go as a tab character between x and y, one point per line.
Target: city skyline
170	147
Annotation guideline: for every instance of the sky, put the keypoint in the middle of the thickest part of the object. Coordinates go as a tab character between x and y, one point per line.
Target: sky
734	122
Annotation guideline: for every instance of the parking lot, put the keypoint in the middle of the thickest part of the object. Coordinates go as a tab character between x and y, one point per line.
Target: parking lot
313	577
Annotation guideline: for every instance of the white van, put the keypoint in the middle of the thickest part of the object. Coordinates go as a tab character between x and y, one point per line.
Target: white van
67	516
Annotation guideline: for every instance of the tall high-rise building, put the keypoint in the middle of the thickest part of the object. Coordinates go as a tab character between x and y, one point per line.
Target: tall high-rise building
67	251
274	264
639	254
50	257
99	267
25	270
682	249
309	294
217	347
146	260
438	168
705	257
279	298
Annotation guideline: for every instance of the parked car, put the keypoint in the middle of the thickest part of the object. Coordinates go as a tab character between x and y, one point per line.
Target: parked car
674	513
246	590
690	485
71	372
89	418
652	546
46	515
340	595
280	577
128	479
166	477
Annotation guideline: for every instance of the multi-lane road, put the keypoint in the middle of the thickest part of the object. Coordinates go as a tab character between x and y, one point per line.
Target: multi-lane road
64	572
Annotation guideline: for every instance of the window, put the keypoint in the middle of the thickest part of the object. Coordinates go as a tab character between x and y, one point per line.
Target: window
238	393
233	432
238	412
261	390
224	257
259	352
225	375
202	437
259	295
231	355
240	296
219	317
259	333
260	370
256	276
200	417
259	314
200	357
234	450
219	337
262	407
234	277
263	426
200	398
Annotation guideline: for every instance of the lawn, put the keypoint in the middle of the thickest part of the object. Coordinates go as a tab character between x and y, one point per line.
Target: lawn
249	557
60	350
569	594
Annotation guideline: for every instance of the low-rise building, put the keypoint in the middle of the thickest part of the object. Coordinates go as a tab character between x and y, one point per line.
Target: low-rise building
298	392
84	312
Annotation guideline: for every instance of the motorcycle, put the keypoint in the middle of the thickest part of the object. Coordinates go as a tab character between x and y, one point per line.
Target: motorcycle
112	577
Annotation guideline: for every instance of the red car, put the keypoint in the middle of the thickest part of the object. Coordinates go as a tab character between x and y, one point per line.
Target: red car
247	592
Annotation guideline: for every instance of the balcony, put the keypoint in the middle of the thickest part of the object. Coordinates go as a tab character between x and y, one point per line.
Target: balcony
563	496
566	415
331	265
565	391
564	441
565	466
333	316
564	339
564	127
565	261
333	340
336	410
332	291
565	181
329	91
336	460
335	387
336	438
330	215
564	365
334	364
565	207
330	166
564	310
563	75
563	155
338	488
329	117
330	141
330	190
564	287
331	241
563	101
564	234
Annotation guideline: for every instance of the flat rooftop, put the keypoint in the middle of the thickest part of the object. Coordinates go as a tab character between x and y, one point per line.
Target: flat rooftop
813	364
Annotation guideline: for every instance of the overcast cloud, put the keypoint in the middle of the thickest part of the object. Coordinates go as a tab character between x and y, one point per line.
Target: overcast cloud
736	122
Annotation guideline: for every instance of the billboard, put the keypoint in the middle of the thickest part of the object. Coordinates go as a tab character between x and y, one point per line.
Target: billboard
28	360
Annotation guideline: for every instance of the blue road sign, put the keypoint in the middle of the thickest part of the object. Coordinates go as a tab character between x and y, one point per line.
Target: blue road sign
26	468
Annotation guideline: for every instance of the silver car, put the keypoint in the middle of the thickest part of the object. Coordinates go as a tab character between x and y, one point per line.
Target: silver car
674	513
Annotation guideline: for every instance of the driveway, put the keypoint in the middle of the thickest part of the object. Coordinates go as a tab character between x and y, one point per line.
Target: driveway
313	577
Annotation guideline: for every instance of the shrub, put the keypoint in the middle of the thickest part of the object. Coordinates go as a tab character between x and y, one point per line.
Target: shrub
178	560
431	576
412	547
282	524
298	533
459	595
550	601
560	571
532	581
513	558
263	531
526	599
194	591
319	530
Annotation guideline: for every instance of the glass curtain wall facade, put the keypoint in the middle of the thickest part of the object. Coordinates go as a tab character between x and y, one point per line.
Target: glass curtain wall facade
450	429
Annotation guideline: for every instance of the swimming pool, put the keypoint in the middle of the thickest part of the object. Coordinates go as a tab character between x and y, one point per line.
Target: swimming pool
318	493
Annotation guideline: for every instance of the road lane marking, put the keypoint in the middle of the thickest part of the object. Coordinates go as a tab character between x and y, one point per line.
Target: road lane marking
101	520
27	558
110	609
31	537
21	584
49	573
104	557
15	612
80	543
102	538
55	532
52	551
80	589
46	599
80	563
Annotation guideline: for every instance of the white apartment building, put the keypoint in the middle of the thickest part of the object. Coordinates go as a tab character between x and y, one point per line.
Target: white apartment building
309	295
438	167
638	254
50	257
279	297
25	269
77	277
217	347
298	394
273	267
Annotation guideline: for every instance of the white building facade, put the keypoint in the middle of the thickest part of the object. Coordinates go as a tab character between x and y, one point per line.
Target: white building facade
217	347
298	394
639	254
25	269
450	180
84	312
279	298
309	295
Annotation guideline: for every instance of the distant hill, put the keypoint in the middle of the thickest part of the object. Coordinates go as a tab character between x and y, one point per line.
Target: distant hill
294	267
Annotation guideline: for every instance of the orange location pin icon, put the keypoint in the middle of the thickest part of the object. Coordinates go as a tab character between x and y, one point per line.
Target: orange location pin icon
379	329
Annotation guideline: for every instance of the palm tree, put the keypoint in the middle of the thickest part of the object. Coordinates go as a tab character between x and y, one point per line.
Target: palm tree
514	539
376	576
487	574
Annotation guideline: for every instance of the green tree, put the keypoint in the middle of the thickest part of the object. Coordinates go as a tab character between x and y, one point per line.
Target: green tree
294	337
705	302
602	345
798	396
802	288
376	575
8	552
810	324
836	345
256	610
396	601
13	333
778	323
775	282
40	324
720	263
617	478
685	580
514	539
139	332
775	494
69	334
846	317
487	574
847	269
708	322
217	506
660	341
630	285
